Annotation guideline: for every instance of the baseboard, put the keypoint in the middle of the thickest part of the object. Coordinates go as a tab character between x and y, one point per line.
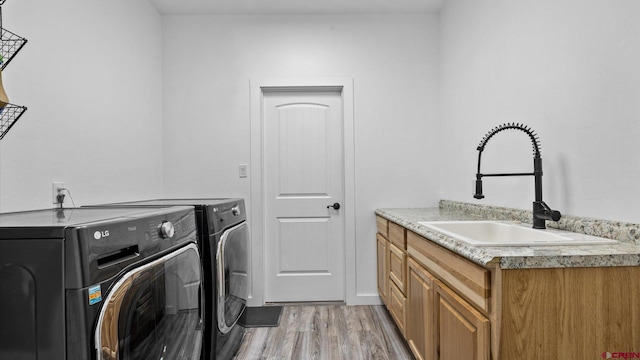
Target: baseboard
361	299
365	299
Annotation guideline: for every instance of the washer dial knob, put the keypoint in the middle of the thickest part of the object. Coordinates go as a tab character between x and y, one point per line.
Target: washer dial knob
166	230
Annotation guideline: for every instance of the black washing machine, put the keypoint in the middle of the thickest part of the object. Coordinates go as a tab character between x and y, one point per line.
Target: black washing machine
223	238
104	284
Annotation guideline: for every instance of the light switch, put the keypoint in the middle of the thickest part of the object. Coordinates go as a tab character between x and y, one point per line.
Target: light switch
242	170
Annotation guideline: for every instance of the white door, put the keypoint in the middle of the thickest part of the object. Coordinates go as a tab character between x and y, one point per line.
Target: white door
303	176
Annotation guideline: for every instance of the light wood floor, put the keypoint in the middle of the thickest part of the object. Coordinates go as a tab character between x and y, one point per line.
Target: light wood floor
327	332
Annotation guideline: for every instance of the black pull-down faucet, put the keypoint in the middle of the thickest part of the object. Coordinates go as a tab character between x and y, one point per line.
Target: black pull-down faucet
541	211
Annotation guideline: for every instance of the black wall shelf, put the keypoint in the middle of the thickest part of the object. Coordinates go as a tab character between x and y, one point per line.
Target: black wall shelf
9	114
10	45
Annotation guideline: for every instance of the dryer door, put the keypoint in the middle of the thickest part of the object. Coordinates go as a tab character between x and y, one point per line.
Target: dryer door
153	311
231	260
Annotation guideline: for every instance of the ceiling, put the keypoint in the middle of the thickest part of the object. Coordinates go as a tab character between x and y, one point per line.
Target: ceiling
184	7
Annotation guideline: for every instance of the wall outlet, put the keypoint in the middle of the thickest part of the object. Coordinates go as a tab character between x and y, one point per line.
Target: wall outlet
56	186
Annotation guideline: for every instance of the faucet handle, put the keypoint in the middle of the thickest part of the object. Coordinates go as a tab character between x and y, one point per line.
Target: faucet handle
555	215
543	212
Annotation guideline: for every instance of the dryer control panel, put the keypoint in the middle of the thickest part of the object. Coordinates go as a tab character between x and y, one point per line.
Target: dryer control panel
225	215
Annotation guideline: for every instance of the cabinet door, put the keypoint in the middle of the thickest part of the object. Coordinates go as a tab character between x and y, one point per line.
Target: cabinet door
421	329
463	331
383	268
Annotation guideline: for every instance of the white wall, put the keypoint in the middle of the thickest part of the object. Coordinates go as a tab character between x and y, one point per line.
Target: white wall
208	64
567	68
90	76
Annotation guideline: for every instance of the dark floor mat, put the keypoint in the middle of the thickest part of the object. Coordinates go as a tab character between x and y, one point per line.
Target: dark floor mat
263	316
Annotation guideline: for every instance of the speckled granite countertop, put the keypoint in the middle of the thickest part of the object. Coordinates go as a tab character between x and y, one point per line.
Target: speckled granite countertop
624	253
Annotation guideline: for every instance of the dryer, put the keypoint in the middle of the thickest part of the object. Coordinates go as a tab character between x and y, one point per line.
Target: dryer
223	239
83	283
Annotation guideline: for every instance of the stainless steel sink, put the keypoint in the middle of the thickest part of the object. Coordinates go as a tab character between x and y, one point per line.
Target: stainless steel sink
498	233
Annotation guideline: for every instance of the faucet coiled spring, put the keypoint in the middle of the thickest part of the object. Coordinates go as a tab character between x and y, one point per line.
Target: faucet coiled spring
535	140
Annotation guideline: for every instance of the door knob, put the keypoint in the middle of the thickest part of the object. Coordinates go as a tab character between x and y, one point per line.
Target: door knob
335	206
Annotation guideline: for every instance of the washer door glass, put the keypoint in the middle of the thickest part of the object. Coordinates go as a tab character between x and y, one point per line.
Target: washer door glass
153	311
231	258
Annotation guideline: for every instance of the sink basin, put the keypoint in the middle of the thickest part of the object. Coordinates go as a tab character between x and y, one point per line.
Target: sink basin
496	233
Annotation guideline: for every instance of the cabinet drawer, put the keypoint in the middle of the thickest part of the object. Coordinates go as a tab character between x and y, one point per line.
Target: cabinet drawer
398	306
383	226
398	267
398	235
468	279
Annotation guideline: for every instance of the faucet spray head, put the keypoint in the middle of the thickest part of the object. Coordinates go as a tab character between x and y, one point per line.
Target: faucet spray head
535	142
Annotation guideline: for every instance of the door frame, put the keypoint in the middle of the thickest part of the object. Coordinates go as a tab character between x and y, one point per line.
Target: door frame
257	202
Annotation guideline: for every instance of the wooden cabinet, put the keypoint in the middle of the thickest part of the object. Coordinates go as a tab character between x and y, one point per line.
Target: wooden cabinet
398	236
383	226
398	267
440	323
397	306
383	267
392	268
471	281
415	280
455	309
463	333
421	325
383	258
398	274
568	313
